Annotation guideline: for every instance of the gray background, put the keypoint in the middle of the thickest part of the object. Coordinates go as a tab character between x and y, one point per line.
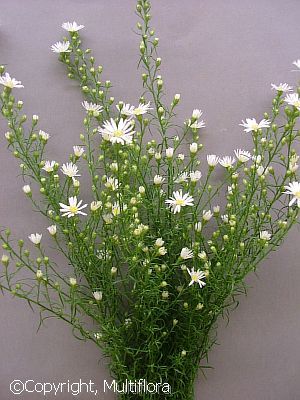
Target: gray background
221	56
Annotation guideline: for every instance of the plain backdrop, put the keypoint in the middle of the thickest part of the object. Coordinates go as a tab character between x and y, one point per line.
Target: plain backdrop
222	57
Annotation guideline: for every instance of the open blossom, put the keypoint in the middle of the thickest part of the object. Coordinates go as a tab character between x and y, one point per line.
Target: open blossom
179	200
112	183
227	161
52	230
72	26
265	235
91	106
207	215
196	277
186	253
293	166
43	135
196	114
9	82
97	296
73	281
293	189
61	47
182	178
49	166
242	155
159	242
212	160
73	208
297	63
195	176
70	169
196	124
293	99
117	133
252	126
95	205
158	180
282	87
78	151
35	238
131	111
162	251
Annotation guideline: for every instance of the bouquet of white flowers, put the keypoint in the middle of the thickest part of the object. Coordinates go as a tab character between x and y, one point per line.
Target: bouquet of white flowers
162	248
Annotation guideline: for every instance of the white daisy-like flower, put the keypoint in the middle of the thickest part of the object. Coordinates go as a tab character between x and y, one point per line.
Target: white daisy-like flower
293	166
95	205
195	176
282	87
293	189
70	169
297	63
182	178
159	242
196	114
158	180
207	215
73	208
52	230
49	166
112	183
293	99
197	277
44	135
72	26
97	296
242	155
35	238
61	47
225	218
212	160
162	251
227	161
179	200
186	253
78	151
116	208
117	133
265	235
92	106
196	124
252	126
131	111
9	82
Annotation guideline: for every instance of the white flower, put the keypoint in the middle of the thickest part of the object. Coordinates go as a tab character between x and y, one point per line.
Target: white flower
95	205
198	226
182	178
73	281
196	113
91	106
260	170
216	209
39	274
35	238
132	111
73	208
186	253
159	242
97	296
196	277
72	26
293	166
257	159
158	180
26	189
179	200
112	183
297	63
70	169
49	166
43	135
293	100
242	155
35	118
193	148
282	87
227	161
169	152
117	133
157	155
9	82
61	47
52	230
212	160
107	218
195	176
196	124
142	189
207	215
180	157
78	151
293	188
116	209
162	251
202	255
252	126
265	235
225	218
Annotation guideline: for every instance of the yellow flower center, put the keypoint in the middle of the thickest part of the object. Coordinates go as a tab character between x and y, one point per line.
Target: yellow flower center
137	111
297	103
194	277
118	133
297	194
255	127
179	202
73	209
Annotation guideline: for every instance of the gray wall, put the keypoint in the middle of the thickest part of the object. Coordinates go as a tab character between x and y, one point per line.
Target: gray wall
221	56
